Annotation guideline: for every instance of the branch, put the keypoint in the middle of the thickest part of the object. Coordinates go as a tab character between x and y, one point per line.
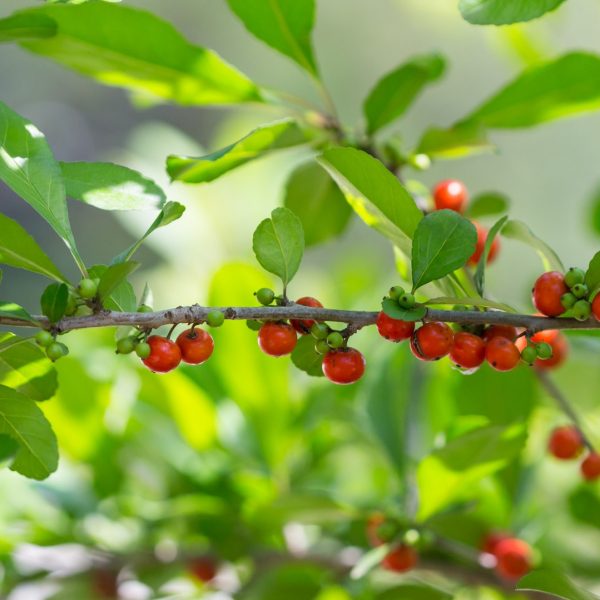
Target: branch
354	319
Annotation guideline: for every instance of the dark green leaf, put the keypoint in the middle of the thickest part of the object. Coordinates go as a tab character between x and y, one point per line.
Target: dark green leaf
517	230
595	212
374	193
554	583
266	138
114	276
442	243
306	358
125	47
592	276
22	420
278	244
14	311
566	86
584	505
285	25
395	92
487	204
392	309
25	368
8	447
317	201
18	249
111	187
501	12
54	301
122	298
480	271
25	27
463	139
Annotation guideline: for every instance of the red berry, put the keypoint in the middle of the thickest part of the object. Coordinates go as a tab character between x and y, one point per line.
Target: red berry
514	558
400	559
502	354
590	467
373	523
302	326
196	346
468	350
547	292
507	331
596	307
344	366
482	233
431	341
451	194
165	354
204	568
491	540
565	442
277	339
394	330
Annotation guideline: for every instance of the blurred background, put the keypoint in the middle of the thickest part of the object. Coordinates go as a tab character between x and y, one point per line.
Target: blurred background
158	470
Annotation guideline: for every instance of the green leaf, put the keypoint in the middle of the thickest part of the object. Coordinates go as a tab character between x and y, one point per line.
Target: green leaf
413	592
25	27
463	139
22	420
111	187
25	368
285	25
122	298
517	230
374	193
317	201
392	309
114	276
306	358
584	505
554	583
447	474
395	92
274	136
125	47
468	301
566	86
170	212
481	265
54	301
443	242
28	167
592	276
18	249
487	204
595	212
368	561
14	311
500	12
278	244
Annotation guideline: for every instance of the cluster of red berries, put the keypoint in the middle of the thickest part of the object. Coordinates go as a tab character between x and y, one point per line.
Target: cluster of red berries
452	194
513	557
401	557
566	443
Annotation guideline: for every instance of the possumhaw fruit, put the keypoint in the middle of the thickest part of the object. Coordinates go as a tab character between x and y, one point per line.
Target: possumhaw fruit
344	365
565	442
432	341
502	354
451	194
196	345
547	293
394	330
277	339
303	326
164	356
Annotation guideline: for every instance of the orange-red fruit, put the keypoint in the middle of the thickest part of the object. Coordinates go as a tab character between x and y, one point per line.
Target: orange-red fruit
373	523
482	233
344	366
302	326
565	442
502	354
491	540
560	348
400	559
507	331
196	346
547	292
204	568
514	558
277	339
394	330
451	194
596	307
431	341
468	350
590	467
165	354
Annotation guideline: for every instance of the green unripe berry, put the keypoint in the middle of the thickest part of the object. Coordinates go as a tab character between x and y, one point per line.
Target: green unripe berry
253	324
574	276
71	305
215	318
265	296
580	290
407	300
322	347
44	338
87	288
56	350
144	308
529	354
143	350
83	311
544	350
568	300
421	162
395	292
319	331
335	339
126	345
582	310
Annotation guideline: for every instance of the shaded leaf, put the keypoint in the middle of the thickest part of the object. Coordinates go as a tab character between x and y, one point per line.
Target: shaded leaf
463	139
481	265
392	309
14	311
500	12
24	27
54	301
306	358
554	583
592	276
487	204
113	277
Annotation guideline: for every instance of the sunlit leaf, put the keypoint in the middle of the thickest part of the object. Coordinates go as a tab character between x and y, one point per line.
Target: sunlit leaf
500	12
